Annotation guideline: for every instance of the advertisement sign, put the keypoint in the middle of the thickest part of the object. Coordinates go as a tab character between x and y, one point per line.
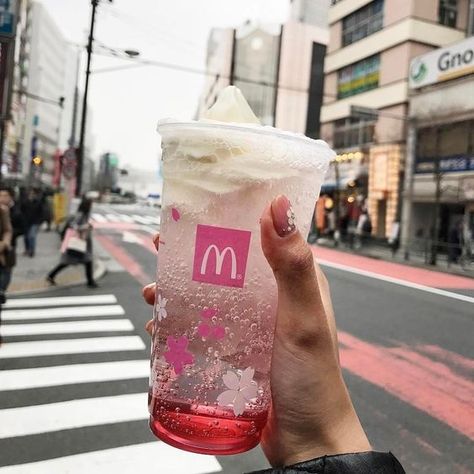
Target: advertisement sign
443	64
7	17
447	164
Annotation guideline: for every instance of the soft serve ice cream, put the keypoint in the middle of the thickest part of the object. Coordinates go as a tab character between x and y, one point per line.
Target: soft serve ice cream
218	154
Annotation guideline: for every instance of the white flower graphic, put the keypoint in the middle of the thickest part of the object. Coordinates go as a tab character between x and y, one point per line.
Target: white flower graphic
240	391
161	307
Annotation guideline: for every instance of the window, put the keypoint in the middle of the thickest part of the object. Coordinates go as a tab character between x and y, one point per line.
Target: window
351	132
358	77
448	12
362	23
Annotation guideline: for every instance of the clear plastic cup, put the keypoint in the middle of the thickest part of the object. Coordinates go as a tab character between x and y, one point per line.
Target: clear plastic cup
216	295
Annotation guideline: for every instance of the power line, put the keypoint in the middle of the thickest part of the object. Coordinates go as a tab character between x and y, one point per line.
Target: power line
202	72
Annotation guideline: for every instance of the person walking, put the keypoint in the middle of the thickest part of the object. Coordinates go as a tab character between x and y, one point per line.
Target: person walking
6	234
82	231
32	209
7	199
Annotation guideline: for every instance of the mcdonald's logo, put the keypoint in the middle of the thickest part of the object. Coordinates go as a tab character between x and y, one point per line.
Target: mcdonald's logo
220	255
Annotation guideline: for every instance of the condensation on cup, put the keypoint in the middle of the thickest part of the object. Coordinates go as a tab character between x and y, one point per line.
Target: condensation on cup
215	304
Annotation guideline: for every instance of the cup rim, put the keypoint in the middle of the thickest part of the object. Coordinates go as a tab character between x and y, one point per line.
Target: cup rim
258	129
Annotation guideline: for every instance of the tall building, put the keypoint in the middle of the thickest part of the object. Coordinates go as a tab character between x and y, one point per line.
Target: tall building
313	12
279	69
367	65
442	116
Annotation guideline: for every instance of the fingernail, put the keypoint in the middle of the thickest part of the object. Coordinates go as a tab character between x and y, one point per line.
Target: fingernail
283	216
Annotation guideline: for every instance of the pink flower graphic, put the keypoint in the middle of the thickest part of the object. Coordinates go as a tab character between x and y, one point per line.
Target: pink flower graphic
175	214
178	355
240	391
210	329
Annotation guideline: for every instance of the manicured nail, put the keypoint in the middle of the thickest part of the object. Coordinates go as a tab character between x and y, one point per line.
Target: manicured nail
283	216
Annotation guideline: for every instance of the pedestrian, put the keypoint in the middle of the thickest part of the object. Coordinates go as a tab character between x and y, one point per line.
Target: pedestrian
313	426
454	242
82	231
47	211
32	209
6	234
7	199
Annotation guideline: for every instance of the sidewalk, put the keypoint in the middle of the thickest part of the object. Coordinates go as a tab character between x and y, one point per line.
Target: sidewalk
379	252
29	273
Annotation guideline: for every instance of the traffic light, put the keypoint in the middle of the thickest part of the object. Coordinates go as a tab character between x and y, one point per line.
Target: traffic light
37	160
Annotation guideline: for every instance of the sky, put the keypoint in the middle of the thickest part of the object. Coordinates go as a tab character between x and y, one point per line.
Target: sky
127	104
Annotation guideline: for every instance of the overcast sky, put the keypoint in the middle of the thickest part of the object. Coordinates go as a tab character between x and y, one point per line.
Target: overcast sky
127	104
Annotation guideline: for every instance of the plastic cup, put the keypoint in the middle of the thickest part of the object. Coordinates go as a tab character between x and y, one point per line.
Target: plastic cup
216	300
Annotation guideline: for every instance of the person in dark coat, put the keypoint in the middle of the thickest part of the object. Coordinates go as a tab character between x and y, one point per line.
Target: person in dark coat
32	210
80	223
7	199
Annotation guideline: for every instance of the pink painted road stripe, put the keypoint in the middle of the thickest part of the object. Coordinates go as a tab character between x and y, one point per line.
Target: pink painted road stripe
114	225
449	357
422	384
395	270
130	265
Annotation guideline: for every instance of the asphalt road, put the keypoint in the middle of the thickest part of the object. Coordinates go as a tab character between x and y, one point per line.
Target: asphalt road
407	356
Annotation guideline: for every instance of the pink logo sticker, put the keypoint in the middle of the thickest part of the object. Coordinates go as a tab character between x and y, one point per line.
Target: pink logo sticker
220	255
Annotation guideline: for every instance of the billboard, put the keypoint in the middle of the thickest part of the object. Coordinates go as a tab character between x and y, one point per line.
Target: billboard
443	64
7	17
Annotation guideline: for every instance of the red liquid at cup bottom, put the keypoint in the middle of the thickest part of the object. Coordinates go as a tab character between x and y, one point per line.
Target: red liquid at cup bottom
205	429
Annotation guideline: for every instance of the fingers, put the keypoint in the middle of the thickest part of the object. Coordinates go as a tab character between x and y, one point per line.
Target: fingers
149	327
149	292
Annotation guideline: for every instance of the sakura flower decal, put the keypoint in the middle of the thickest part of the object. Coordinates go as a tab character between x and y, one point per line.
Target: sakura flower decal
178	355
175	214
210	329
161	312
240	391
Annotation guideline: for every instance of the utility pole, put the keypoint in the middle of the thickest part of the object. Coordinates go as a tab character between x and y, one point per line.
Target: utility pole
81	150
438	177
72	138
408	187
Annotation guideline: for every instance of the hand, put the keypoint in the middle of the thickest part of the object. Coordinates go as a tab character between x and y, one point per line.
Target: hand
312	414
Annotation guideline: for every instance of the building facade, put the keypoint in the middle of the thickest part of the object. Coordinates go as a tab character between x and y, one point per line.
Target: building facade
279	69
442	112
372	43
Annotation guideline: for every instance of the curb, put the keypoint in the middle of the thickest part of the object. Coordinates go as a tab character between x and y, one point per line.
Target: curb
40	286
400	262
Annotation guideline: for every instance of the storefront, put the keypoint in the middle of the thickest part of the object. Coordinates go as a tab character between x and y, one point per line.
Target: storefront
442	105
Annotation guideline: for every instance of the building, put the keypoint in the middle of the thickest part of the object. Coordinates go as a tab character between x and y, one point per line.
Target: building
442	113
279	69
311	12
372	43
109	172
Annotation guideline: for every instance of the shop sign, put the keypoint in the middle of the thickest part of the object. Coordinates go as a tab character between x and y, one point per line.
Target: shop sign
443	64
8	10
447	164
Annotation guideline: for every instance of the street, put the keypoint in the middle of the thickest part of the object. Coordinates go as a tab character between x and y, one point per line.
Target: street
74	364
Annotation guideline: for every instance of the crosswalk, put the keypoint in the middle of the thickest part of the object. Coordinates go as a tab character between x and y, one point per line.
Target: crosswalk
120	218
73	380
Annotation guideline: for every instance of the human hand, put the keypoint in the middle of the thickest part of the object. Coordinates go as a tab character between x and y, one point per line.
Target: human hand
311	414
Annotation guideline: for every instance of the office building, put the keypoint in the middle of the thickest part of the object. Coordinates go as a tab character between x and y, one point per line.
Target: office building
372	43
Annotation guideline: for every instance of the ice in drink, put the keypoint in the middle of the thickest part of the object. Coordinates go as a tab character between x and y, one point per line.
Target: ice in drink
216	299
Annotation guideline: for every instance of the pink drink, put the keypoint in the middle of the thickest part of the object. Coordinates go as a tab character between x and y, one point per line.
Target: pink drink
215	310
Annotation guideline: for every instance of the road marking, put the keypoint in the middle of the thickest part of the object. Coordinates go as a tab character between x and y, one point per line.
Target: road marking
125	218
431	387
72	414
69	327
396	281
21	379
59	301
124	460
71	312
71	346
142	219
98	217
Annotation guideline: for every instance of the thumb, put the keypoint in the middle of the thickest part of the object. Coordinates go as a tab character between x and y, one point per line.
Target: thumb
290	258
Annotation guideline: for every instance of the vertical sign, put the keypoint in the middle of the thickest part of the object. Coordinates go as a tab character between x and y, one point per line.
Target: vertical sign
7	17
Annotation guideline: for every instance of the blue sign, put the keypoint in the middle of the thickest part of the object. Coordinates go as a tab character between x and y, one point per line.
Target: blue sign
447	164
7	17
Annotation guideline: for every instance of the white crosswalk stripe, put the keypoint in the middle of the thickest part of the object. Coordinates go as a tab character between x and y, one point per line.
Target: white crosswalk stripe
127	218
56	385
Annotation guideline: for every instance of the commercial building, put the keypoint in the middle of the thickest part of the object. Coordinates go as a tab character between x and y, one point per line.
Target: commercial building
372	43
279	69
442	113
